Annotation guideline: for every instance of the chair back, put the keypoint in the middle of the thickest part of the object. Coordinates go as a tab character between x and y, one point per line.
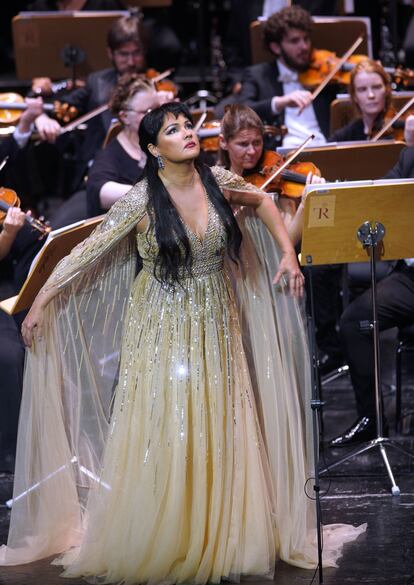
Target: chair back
342	111
113	131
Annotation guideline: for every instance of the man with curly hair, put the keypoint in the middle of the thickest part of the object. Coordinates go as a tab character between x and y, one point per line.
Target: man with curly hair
273	89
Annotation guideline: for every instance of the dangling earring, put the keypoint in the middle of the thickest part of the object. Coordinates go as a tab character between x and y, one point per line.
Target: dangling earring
160	162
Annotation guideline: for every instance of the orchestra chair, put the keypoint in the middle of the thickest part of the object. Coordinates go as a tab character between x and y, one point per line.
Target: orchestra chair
112	133
333	34
342	111
405	346
198	112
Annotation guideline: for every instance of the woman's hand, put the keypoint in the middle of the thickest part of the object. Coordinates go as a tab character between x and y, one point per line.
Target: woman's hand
13	221
311	179
294	278
32	326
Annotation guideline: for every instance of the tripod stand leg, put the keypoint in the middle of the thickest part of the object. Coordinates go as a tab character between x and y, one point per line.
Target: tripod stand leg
395	490
351	455
400	448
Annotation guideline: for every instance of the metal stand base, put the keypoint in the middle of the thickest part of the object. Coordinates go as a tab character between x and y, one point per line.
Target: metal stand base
335	374
381	443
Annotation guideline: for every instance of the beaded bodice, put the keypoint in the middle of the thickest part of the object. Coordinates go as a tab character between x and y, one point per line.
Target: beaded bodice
207	253
121	220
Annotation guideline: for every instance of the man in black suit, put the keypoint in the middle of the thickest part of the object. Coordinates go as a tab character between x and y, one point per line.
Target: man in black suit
126	50
273	88
395	299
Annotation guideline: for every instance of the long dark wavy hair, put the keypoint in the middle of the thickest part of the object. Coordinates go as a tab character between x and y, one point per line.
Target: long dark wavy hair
174	246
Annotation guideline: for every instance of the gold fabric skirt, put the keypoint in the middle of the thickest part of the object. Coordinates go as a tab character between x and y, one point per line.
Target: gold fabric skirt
185	493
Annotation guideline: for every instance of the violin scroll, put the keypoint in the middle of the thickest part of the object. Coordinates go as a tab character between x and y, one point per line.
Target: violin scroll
160	82
13	104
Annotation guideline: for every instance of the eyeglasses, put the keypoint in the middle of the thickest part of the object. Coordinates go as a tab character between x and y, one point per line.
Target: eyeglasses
139	112
126	54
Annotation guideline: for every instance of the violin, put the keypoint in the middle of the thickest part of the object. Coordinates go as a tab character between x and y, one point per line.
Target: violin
393	123
12	105
402	76
159	81
9	198
209	136
323	62
289	182
334	69
72	125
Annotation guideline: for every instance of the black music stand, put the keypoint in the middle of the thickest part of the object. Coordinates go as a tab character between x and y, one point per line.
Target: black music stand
52	44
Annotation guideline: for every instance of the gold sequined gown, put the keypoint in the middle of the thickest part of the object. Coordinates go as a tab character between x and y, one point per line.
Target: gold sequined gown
185	493
171	481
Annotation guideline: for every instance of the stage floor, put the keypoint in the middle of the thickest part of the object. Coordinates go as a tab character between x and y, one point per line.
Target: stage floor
356	492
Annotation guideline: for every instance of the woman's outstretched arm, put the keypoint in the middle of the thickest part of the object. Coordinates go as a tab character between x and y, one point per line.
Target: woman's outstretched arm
238	192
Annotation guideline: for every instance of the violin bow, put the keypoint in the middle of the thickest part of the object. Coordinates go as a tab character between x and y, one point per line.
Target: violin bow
4	162
394	119
4	105
100	109
336	68
287	162
200	122
85	118
160	76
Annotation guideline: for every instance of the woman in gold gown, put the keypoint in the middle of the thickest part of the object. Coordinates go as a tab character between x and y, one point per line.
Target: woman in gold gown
168	478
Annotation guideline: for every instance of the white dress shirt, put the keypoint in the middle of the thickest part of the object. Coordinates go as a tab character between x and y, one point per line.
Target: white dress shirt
299	126
22	138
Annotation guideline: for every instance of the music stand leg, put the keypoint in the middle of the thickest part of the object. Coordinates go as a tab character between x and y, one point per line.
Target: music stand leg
395	490
316	406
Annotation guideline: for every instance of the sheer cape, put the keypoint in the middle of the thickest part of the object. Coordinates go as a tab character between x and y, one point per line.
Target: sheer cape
71	375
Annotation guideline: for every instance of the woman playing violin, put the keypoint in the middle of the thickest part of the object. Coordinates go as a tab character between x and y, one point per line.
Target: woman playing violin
242	152
11	348
371	92
13	220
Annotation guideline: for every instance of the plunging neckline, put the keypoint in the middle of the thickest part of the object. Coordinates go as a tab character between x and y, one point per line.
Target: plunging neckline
191	232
